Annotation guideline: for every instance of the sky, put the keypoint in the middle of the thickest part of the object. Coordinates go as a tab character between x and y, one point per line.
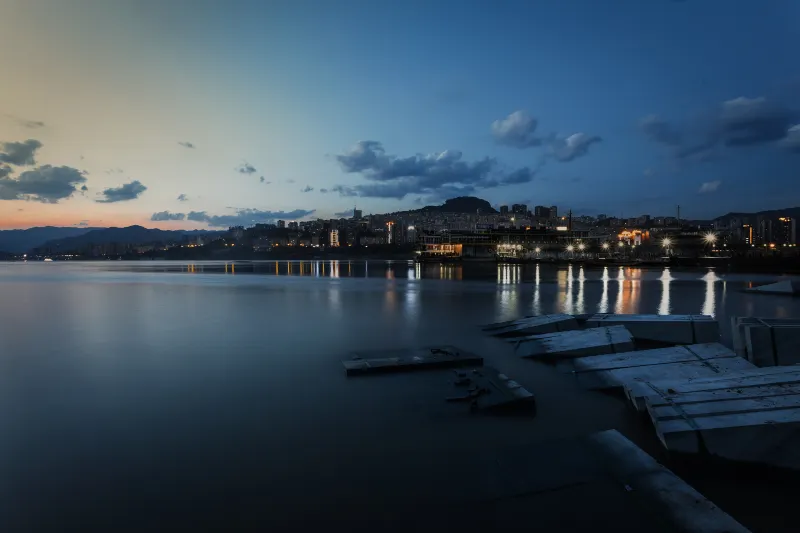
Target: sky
199	113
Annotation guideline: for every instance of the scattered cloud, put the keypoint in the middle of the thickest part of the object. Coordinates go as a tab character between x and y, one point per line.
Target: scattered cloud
32	124
747	121
247	217
517	130
46	184
182	198
114	171
246	168
262	179
344	214
572	147
83	223
710	186
84	188
19	153
792	140
187	144
5	170
396	177
323	190
290	180
166	215
123	193
660	131
307	188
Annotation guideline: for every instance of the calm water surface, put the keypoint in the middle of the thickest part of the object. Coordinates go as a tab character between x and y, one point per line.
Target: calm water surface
150	395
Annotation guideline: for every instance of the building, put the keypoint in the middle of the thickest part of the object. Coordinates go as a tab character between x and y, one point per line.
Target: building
553	211
357	214
786	232
411	234
519	209
293	225
504	210
746	234
281	223
334	238
390	233
541	211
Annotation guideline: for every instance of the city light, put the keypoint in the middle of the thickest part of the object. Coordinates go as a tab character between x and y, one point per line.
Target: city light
581	247
570	248
710	238
606	246
537	250
667	242
620	244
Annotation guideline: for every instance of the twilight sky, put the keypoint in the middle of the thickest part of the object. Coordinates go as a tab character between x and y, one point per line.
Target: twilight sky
195	113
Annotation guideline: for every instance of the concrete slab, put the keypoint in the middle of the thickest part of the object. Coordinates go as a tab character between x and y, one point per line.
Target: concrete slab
772	345
672	329
577	343
410	359
487	389
678	362
532	325
786	287
639	391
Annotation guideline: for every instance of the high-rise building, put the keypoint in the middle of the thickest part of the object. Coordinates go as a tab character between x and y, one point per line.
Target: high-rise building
786	233
281	223
519	209
357	214
390	237
553	211
503	209
747	233
334	238
541	211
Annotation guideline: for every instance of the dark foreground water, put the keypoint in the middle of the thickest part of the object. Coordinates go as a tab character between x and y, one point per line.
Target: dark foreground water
153	396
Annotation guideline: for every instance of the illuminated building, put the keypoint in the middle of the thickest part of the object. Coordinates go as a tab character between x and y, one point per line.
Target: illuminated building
633	237
334	238
389	232
747	234
786	232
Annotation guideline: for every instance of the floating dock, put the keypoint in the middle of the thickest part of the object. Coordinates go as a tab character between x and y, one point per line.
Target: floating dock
785	288
532	325
767	341
576	343
677	363
669	329
410	360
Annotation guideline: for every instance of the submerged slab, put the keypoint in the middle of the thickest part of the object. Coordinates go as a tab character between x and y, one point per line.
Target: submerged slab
758	424
409	360
787	287
678	362
672	329
576	343
487	389
532	325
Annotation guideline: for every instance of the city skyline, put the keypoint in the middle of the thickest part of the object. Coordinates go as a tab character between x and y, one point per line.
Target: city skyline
199	114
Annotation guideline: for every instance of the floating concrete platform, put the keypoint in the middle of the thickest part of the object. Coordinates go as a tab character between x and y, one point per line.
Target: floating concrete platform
677	363
486	389
577	343
786	288
409	360
532	325
671	329
767	342
639	391
757	424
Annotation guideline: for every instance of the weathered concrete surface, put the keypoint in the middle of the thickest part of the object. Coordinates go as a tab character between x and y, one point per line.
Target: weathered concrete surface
410	359
532	325
678	362
788	288
577	343
487	389
672	329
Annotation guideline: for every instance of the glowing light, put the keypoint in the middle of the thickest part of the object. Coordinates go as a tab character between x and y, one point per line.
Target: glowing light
570	248
605	246
620	244
667	242
537	250
710	238
581	247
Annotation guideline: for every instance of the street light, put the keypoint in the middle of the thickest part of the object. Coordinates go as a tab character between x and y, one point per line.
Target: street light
710	238
667	242
581	247
570	248
620	244
537	250
605	246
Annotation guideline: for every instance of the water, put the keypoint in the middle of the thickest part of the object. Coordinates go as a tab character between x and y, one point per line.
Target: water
151	395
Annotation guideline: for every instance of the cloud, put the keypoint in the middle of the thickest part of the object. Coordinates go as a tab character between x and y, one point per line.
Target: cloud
20	154
114	171
792	140
84	188
187	144
660	131
710	186
182	198
290	181
247	217
572	147
344	214
517	130
46	184
5	170
123	193
747	121
32	124
246	168
262	179
396	177
83	223
307	188
166	215
323	190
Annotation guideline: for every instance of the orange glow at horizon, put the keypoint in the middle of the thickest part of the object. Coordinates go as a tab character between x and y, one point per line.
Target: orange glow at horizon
29	219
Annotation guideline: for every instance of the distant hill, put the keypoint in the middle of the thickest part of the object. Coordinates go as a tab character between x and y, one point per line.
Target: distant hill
128	235
462	204
21	240
793	212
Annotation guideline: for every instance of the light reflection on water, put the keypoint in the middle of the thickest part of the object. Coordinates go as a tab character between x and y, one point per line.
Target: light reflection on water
602	307
663	306
709	303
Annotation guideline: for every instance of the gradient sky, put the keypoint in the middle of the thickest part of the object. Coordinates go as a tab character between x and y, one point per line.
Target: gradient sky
620	107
